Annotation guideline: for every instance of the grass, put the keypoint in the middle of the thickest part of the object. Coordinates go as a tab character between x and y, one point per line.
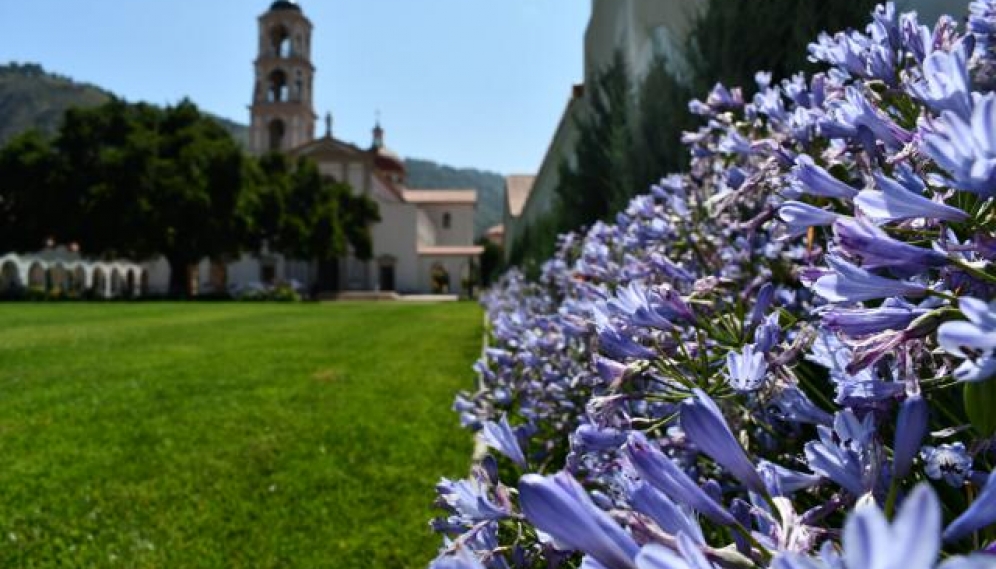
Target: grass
228	435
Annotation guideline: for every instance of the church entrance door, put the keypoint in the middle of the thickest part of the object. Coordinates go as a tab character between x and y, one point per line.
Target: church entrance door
387	277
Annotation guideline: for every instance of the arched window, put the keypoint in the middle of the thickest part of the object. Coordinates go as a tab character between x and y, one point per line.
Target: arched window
280	42
278	87
447	220
276	135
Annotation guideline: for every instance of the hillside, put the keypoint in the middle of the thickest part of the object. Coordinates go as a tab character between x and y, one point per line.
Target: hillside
31	97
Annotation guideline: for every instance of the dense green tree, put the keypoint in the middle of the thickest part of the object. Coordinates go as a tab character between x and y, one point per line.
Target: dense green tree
135	180
599	180
733	39
30	210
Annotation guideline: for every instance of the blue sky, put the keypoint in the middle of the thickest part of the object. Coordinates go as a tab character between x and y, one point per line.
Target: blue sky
477	83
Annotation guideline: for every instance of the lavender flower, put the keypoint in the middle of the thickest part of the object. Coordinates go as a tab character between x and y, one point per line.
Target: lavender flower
461	558
856	118
704	424
559	506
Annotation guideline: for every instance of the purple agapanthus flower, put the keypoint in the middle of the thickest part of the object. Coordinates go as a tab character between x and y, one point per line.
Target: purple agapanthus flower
966	147
854	117
974	340
896	202
909	542
810	178
846	453
911	428
877	249
688	556
662	473
459	558
892	314
671	517
502	438
559	506
979	515
945	85
704	424
800	216
849	283
948	462
746	370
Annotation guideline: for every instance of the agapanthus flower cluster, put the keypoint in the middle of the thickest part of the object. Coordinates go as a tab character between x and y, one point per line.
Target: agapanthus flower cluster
785	357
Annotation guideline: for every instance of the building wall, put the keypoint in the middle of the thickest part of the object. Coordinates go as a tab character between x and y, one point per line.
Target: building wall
542	198
461	230
394	236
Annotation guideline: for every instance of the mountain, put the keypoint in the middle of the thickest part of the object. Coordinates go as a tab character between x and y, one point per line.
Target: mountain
31	97
425	174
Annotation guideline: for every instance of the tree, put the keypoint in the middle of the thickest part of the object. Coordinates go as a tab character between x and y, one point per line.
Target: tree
148	181
29	209
298	212
599	181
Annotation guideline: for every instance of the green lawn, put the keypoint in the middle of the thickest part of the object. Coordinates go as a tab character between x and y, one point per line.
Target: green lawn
228	435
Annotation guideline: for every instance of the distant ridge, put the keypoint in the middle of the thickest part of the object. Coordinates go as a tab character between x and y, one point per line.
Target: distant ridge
31	97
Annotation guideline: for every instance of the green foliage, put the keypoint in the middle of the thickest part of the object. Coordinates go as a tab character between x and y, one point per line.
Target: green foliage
732	39
600	181
229	435
491	261
135	180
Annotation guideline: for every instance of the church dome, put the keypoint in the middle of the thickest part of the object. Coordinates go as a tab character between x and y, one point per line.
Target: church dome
387	159
284	5
384	157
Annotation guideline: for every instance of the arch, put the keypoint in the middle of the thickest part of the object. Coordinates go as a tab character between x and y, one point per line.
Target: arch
440	279
280	41
10	276
98	282
129	285
277	130
77	279
117	281
277	91
447	220
144	280
37	276
57	277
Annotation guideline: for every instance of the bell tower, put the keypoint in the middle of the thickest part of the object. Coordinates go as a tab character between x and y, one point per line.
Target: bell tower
283	115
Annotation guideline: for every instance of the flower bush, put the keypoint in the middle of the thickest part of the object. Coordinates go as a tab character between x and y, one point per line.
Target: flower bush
784	358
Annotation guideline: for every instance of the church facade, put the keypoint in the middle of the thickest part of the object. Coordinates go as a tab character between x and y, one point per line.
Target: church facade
424	242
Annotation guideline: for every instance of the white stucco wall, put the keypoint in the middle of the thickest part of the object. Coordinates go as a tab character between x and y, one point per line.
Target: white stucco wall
461	230
395	236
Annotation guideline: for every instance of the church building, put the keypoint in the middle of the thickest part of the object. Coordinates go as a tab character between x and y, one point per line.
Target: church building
424	242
